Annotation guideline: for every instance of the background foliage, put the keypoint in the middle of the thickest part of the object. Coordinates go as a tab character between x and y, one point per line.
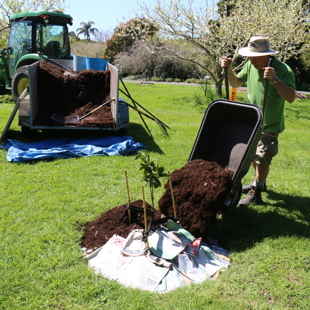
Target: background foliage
179	41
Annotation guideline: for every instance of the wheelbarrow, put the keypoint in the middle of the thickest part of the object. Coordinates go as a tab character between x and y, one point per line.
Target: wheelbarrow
228	135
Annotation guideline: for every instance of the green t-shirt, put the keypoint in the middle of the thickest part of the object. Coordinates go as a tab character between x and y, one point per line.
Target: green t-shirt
274	119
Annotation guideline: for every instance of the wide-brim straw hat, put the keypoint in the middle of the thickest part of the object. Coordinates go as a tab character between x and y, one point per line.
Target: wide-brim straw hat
258	46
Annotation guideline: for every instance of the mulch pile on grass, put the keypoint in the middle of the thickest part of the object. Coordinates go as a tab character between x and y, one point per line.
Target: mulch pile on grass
200	188
69	93
114	221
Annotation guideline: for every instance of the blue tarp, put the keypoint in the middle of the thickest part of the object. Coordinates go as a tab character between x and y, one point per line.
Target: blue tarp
69	148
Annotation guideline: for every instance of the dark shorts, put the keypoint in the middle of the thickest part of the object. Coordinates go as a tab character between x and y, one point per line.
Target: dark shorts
267	148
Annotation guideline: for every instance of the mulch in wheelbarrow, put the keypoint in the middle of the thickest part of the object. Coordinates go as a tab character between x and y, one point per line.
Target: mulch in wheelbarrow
67	93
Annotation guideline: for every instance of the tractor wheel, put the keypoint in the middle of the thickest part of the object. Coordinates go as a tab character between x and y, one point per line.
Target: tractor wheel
20	81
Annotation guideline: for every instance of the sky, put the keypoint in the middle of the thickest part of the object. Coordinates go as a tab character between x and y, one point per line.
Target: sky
107	14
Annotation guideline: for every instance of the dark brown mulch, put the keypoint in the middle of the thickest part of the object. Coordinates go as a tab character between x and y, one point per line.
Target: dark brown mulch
71	95
114	221
199	189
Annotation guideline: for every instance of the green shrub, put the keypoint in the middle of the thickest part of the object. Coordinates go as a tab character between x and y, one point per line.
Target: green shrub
134	77
191	81
169	80
6	99
156	79
176	68
205	94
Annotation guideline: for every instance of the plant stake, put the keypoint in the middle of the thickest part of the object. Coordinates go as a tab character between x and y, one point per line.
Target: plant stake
128	196
145	216
172	195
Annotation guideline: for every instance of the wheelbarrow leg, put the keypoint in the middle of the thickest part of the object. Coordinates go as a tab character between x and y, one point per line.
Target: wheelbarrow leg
233	198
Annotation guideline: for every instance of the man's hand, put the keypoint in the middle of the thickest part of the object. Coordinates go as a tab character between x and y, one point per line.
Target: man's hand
226	62
232	77
286	92
269	74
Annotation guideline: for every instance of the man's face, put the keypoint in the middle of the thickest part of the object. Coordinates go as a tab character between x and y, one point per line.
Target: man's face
259	62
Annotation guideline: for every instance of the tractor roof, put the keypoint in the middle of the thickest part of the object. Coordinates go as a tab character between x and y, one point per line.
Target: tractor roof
39	14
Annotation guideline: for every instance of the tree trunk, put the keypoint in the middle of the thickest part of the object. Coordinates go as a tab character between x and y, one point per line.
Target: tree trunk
218	88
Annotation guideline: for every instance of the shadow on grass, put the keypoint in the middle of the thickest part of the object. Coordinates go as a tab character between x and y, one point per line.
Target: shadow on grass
140	134
137	131
36	136
245	226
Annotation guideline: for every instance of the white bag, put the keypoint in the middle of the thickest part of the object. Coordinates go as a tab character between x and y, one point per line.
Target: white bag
134	244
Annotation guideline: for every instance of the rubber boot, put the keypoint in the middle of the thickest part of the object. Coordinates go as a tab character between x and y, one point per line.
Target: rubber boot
247	188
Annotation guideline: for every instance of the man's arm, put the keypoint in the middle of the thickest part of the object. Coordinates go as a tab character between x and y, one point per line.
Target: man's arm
285	91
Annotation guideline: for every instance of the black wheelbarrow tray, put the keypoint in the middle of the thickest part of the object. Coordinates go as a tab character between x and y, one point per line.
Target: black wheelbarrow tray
228	135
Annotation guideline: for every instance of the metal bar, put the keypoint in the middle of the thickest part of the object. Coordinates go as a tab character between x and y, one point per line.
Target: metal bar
16	107
128	95
136	103
266	94
226	83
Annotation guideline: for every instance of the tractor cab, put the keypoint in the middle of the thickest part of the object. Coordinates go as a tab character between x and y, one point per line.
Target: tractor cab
33	36
33	32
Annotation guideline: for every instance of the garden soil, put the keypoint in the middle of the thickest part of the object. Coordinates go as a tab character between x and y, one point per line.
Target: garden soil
68	93
200	188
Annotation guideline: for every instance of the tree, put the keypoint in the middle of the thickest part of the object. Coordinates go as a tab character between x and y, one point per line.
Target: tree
73	37
87	30
126	34
103	35
9	7
225	7
88	49
169	66
152	171
136	60
214	35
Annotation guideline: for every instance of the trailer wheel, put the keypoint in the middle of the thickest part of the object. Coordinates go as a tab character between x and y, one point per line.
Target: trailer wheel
233	198
20	81
122	132
28	132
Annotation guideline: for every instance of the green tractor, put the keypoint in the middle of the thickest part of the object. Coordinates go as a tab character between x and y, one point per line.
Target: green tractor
33	35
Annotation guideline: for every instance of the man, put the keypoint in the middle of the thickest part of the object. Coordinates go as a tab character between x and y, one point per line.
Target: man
262	68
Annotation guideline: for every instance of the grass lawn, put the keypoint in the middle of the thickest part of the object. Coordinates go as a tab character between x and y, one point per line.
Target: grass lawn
43	204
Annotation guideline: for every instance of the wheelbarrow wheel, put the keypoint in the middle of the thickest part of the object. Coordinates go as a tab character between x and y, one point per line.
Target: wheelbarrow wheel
233	198
20	81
